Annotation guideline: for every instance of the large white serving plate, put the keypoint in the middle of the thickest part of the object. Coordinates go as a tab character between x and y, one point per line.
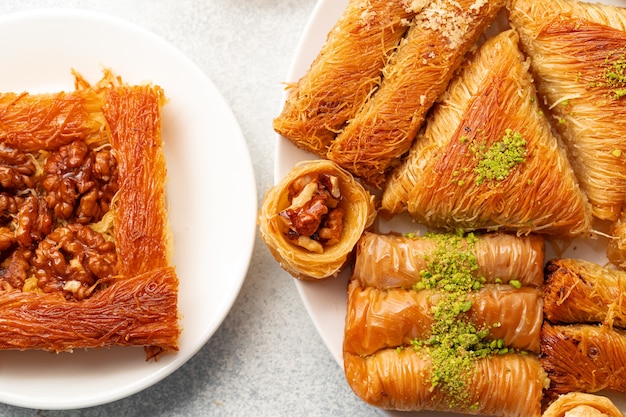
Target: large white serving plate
325	301
211	196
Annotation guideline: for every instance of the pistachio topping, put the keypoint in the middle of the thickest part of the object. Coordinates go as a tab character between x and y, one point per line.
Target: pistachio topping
496	162
455	343
613	75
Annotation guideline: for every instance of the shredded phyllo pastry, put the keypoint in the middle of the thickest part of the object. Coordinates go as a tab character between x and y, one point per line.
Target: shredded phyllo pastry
583	339
577	54
83	227
487	159
382	131
345	73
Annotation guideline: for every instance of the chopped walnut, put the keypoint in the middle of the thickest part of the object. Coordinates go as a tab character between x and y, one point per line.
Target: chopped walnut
80	182
314	217
330	232
34	221
14	269
17	169
23	220
73	259
9	207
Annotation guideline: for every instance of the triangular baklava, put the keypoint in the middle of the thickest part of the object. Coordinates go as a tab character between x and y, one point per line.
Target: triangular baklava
487	158
578	56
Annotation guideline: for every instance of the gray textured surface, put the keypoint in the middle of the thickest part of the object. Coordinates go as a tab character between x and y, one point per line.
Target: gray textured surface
266	359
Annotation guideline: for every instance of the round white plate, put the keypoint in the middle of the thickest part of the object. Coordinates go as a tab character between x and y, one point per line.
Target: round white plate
326	300
207	158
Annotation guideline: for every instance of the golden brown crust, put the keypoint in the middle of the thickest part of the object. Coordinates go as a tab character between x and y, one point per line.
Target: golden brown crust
138	310
47	121
507	385
344	73
442	182
140	212
578	291
394	261
378	319
358	213
98	276
583	357
418	72
571	45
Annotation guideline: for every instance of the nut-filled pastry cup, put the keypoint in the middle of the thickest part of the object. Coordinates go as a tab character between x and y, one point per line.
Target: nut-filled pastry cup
312	219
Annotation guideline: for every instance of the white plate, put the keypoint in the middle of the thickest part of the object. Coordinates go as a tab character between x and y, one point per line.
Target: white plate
326	301
207	159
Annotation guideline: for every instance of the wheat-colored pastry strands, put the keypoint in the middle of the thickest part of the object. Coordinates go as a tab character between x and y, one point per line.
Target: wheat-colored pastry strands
505	385
419	71
345	72
579	291
578	57
464	170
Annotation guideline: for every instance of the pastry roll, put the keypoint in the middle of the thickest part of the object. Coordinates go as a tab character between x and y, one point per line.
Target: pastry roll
583	357
85	236
312	219
487	158
378	319
419	71
507	385
581	404
393	261
577	54
344	73
579	291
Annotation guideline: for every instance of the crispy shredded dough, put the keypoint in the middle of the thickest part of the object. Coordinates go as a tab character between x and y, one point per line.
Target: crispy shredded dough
437	183
417	73
399	380
569	43
579	291
583	357
345	72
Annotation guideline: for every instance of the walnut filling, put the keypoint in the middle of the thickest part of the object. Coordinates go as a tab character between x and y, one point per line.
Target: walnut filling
47	201
314	218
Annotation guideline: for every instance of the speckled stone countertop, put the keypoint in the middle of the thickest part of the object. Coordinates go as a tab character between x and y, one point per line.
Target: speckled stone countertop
266	359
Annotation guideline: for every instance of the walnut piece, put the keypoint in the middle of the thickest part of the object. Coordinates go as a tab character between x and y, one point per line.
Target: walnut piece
73	259
17	169
79	182
14	269
314	218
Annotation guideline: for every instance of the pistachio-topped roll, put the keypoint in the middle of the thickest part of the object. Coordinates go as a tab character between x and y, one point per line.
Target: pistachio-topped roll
394	261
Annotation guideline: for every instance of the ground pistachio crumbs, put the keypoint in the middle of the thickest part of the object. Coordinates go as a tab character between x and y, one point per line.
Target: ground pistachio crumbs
454	343
496	162
613	75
